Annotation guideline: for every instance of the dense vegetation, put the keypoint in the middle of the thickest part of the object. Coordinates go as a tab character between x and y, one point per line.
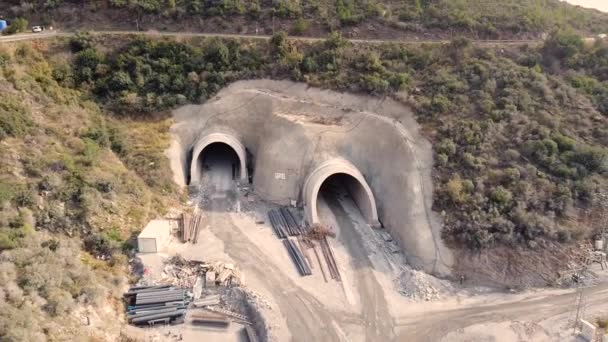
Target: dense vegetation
471	17
72	191
521	155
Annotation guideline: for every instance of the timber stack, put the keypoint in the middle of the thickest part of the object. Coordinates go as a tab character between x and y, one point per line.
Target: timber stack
190	227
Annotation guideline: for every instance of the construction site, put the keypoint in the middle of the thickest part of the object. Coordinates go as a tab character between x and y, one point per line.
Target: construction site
304	225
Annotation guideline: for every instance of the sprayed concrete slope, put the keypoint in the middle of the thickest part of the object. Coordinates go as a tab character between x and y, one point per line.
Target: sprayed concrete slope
293	134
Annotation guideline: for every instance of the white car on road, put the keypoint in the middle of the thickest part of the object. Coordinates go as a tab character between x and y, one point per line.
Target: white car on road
37	29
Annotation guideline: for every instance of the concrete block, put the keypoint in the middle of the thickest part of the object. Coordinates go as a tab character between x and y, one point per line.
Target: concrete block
210	279
154	237
587	331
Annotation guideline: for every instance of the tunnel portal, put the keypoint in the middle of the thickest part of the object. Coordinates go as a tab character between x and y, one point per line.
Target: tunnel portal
219	165
342	173
222	150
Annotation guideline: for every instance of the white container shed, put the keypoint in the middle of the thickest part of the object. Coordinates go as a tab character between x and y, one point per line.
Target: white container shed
154	237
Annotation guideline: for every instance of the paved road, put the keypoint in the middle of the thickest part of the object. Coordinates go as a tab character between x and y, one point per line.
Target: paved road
46	35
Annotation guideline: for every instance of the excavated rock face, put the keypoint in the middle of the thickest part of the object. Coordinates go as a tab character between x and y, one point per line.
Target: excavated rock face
291	138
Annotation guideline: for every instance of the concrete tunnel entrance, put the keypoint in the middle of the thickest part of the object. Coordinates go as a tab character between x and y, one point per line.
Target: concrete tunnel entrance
334	175
222	154
219	165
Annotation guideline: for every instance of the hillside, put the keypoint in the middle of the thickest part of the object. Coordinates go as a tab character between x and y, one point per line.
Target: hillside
521	153
520	138
73	188
412	19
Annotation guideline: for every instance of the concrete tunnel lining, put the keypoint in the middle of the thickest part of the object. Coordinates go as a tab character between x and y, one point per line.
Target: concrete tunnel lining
364	196
212	138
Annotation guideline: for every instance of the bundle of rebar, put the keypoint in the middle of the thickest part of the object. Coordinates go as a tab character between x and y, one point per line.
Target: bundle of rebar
190	227
284	223
155	304
330	259
297	257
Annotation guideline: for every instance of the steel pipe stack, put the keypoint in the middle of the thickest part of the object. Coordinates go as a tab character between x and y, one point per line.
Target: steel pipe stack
294	227
297	257
284	223
156	304
277	224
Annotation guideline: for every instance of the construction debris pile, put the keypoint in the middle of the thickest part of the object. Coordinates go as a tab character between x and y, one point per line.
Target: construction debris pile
150	305
186	273
202	294
420	286
414	285
189	227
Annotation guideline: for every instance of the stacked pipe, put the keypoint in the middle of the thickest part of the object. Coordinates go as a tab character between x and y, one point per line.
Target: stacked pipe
294	227
190	227
297	257
210	320
284	223
276	224
155	304
330	259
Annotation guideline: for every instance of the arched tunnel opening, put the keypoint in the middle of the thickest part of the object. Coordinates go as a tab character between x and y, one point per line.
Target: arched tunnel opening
341	185
220	166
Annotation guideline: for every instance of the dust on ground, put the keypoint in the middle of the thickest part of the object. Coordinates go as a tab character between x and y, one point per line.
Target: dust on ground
380	297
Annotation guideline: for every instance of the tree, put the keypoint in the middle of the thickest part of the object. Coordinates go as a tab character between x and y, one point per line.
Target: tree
563	45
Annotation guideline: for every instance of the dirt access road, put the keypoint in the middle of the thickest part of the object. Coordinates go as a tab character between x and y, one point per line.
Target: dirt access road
52	34
436	323
307	317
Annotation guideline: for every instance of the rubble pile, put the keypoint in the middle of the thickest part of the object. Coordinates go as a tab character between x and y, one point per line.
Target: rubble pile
186	273
420	286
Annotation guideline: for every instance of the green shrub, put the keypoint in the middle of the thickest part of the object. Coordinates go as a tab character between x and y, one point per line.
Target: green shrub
299	26
593	158
455	189
346	12
85	65
15	118
440	104
287	8
6	192
25	198
501	196
81	41
563	142
375	84
446	146
5	58
17	25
